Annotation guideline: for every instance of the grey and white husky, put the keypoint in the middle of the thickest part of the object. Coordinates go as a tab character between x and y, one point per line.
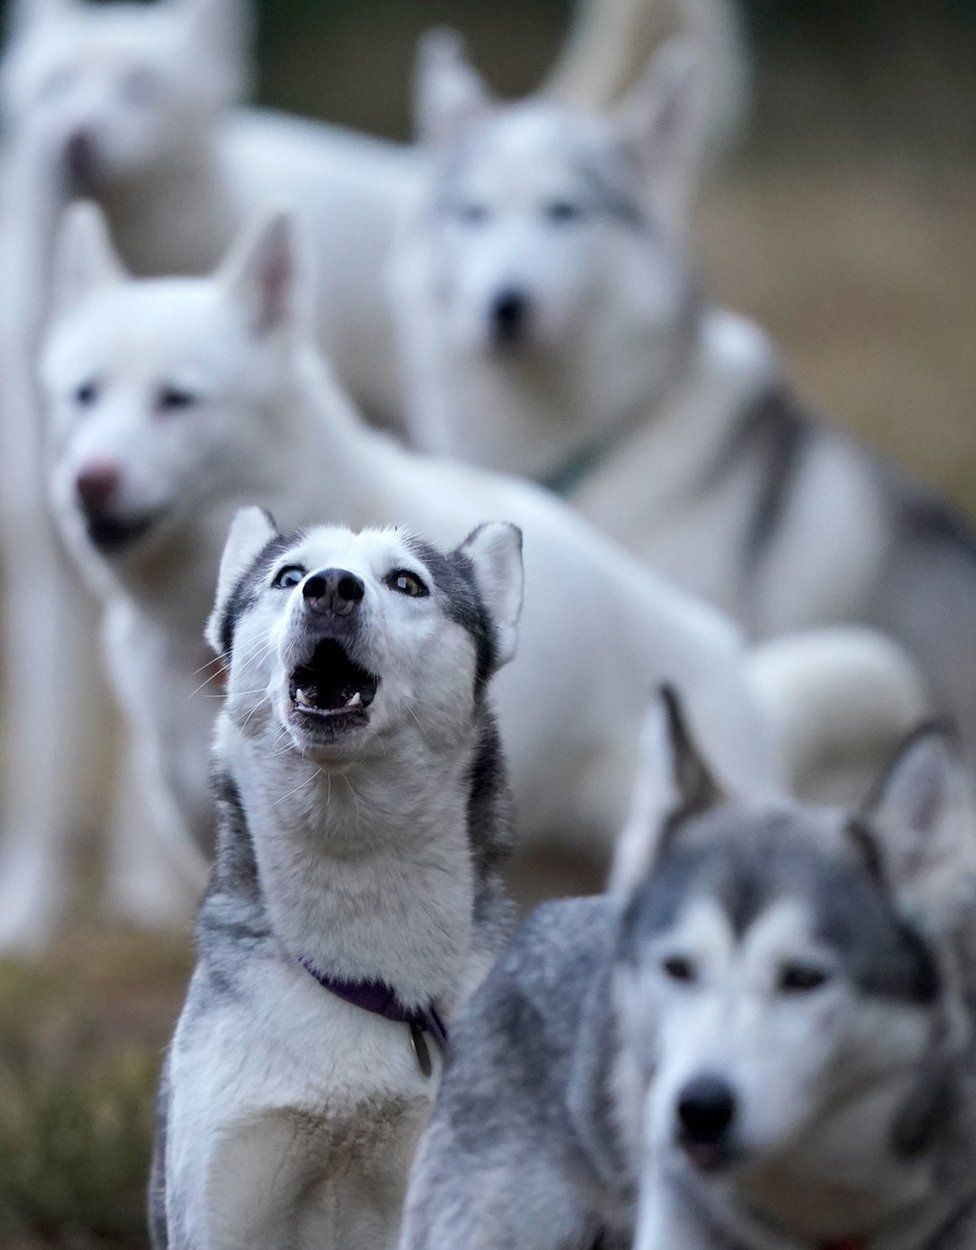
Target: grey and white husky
355	900
758	1039
553	325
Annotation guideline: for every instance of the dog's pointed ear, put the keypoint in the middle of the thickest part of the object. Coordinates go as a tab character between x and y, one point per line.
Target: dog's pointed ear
265	275
495	552
671	777
664	121
449	93
923	812
250	532
85	258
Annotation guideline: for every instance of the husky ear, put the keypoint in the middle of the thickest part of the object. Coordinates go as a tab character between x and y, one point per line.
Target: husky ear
250	532
448	92
664	121
672	777
84	257
924	811
264	274
495	552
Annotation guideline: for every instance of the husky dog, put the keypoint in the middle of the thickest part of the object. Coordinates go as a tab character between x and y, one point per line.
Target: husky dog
172	401
758	1038
355	900
553	325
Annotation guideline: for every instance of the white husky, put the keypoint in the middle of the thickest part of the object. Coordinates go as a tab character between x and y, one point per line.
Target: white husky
136	105
552	325
172	400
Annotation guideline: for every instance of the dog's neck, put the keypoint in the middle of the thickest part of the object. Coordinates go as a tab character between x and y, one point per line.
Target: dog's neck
365	870
188	186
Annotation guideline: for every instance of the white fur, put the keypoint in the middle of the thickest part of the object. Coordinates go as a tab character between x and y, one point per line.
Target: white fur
153	91
269	425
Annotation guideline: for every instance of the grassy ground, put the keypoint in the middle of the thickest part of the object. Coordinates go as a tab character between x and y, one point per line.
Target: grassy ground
80	1042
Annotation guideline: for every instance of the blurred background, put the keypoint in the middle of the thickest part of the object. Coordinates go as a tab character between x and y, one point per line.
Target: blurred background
844	221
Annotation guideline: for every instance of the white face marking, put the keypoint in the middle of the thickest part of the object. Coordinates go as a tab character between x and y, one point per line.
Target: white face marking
164	381
422	663
771	1016
521	218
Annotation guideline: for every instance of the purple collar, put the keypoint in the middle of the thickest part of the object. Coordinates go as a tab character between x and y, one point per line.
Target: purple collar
379	999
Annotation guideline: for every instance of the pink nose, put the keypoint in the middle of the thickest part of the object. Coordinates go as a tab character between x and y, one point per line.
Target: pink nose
97	483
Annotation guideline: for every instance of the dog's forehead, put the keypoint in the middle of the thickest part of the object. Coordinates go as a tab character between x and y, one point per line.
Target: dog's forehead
368	551
796	863
534	140
153	328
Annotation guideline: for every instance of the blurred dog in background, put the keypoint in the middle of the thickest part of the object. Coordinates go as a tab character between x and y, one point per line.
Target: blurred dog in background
552	323
759	1037
137	106
174	400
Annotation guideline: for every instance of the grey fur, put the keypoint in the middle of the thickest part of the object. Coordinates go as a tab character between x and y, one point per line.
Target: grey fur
532	1142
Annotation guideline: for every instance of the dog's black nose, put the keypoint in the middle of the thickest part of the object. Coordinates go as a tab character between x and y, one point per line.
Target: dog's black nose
336	592
81	158
509	314
706	1109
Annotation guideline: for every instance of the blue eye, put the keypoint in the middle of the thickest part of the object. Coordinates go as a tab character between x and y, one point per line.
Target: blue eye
288	577
563	211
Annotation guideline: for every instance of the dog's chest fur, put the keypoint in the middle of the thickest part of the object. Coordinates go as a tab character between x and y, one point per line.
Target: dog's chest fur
296	1101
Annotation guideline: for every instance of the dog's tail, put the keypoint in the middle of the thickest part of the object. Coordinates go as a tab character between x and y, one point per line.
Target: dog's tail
840	701
612	42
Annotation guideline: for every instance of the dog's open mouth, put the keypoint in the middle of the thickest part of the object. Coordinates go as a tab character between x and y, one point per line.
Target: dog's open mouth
111	534
331	686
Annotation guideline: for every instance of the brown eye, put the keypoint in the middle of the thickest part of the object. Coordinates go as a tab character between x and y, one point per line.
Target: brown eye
676	968
802	978
86	394
405	583
175	398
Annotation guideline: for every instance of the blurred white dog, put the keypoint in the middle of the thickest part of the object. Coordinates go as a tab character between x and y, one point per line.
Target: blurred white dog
174	400
136	105
552	325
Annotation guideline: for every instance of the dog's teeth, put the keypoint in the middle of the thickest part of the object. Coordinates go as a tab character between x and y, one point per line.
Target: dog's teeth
354	701
304	698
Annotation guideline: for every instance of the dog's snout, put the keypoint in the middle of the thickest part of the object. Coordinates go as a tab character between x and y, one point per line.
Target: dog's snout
96	485
706	1109
509	314
333	591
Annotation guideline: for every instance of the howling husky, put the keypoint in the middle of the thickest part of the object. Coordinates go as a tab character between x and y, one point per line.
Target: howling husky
172	401
355	901
552	325
759	1039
